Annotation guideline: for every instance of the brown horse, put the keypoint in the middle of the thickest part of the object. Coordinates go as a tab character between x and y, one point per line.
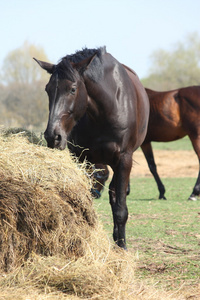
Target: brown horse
100	109
173	115
101	174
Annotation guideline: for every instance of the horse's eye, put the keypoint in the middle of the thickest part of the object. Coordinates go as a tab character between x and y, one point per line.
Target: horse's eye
73	90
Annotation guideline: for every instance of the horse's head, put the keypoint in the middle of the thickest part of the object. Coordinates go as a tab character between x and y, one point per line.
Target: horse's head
67	99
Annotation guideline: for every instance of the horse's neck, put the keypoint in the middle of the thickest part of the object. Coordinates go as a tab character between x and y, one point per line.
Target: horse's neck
95	109
99	100
105	98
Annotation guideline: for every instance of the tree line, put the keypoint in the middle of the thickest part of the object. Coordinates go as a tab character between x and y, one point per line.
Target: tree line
23	102
177	67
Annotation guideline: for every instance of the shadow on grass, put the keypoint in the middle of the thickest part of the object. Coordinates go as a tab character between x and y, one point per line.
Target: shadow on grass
144	199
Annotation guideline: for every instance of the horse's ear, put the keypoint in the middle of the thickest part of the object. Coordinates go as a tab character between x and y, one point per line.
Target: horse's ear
84	64
45	65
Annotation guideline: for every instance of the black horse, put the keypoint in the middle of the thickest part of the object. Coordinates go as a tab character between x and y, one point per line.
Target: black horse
100	109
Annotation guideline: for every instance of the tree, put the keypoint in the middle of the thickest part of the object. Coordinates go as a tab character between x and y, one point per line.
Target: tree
19	66
24	100
176	68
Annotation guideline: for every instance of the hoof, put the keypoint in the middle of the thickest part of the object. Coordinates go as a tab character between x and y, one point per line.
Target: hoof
192	198
124	248
95	193
162	198
121	245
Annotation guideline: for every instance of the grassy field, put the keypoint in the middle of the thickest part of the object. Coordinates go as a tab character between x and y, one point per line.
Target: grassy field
163	235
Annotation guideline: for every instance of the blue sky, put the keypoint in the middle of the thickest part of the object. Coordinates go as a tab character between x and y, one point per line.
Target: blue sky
130	29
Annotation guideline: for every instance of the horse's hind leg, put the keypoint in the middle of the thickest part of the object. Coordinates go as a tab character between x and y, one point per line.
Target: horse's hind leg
148	153
196	189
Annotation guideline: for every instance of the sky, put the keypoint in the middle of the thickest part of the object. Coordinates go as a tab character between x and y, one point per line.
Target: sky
131	30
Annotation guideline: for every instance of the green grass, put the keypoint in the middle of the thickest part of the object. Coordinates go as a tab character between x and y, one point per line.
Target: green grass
182	144
164	235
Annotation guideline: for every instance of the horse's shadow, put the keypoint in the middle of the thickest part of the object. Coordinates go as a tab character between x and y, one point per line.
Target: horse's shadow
151	199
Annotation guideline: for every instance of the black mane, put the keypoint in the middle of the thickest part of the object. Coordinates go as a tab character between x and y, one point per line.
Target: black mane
85	53
65	70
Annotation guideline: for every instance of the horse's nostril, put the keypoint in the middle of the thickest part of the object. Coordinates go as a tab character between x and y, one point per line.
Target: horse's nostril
58	137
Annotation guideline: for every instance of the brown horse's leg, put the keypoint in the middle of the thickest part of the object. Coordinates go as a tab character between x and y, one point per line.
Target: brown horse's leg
196	189
100	177
117	193
148	153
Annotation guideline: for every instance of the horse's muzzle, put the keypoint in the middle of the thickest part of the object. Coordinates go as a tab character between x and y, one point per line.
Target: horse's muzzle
55	140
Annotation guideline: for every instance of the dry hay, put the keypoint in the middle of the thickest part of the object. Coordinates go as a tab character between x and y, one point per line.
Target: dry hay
45	203
101	273
30	135
51	244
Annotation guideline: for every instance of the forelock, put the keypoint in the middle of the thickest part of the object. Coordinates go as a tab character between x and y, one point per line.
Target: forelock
64	70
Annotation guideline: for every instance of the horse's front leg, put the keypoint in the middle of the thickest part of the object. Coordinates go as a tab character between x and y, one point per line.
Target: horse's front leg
148	153
117	192
112	197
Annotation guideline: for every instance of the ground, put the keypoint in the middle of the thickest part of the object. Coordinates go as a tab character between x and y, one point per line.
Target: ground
169	164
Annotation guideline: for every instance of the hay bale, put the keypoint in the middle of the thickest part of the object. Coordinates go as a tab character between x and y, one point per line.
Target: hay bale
50	237
45	202
103	272
30	135
48	226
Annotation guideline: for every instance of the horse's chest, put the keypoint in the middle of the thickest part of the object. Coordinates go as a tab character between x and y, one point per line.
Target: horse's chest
106	152
97	150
